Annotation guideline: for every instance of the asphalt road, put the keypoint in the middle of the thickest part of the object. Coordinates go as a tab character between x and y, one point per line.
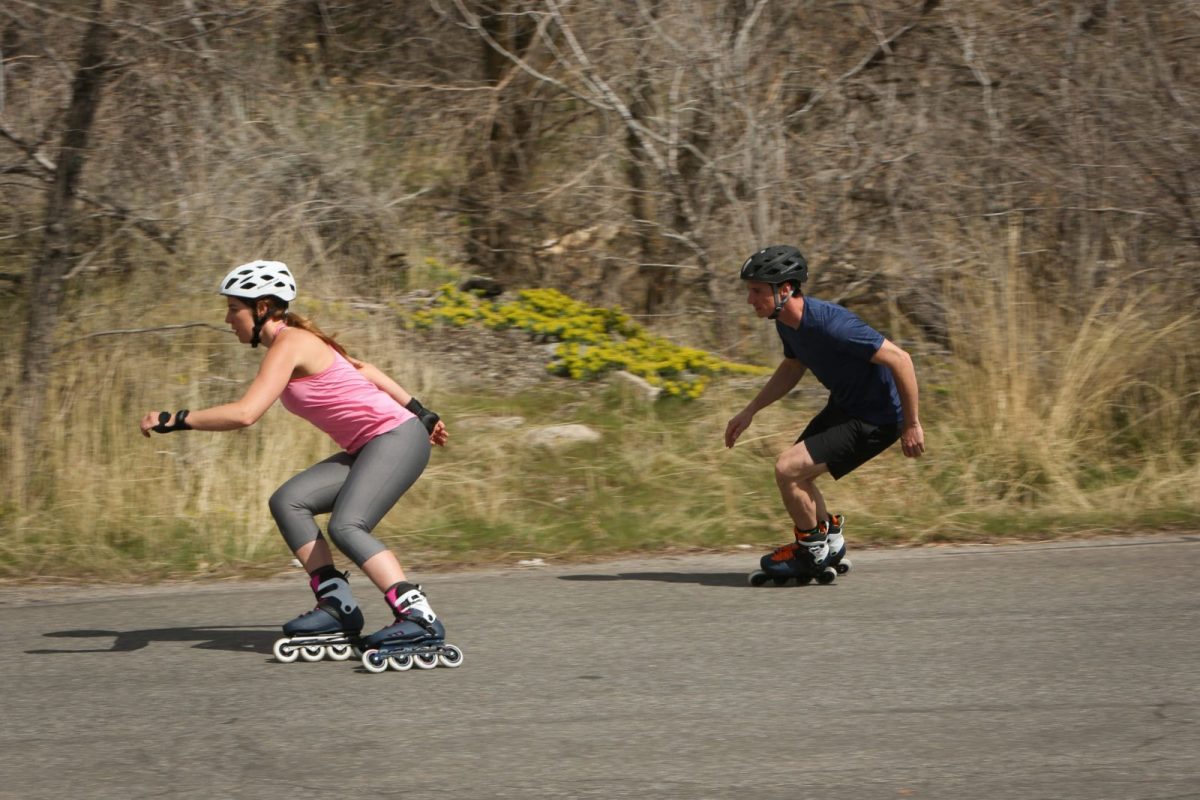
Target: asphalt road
1057	671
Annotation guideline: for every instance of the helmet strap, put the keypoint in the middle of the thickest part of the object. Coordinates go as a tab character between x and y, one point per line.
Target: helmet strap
256	336
780	299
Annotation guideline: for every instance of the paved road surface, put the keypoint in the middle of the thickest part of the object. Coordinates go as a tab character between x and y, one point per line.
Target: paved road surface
1052	671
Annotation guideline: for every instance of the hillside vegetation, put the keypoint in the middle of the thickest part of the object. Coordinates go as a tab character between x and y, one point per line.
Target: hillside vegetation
1011	191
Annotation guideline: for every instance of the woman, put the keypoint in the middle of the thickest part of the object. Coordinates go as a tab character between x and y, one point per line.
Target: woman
386	436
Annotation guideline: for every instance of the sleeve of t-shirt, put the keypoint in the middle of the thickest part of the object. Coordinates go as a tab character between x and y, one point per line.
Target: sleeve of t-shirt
855	337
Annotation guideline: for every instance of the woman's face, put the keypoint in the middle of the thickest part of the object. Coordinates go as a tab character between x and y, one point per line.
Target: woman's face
238	317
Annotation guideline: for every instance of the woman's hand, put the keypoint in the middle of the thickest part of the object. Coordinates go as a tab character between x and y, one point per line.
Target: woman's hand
148	422
439	435
165	422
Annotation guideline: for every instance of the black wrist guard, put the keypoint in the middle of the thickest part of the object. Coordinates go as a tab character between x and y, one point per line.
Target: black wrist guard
427	417
180	423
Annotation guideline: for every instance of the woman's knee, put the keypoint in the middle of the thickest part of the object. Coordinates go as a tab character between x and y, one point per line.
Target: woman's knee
355	540
283	504
279	505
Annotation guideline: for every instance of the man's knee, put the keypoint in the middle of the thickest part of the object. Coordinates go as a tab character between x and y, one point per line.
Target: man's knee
796	466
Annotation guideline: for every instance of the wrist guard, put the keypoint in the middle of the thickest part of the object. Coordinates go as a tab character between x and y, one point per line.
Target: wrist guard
427	417
180	423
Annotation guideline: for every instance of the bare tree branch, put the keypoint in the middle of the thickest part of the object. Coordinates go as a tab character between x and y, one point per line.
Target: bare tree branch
873	58
126	331
112	207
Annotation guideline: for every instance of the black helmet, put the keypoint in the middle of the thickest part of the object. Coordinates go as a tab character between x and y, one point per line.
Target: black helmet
775	265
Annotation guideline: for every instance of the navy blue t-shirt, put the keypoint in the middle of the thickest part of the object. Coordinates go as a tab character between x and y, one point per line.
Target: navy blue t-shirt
837	348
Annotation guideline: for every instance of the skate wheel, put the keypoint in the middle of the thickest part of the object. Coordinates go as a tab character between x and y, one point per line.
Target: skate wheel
339	652
425	660
843	567
451	656
779	580
373	662
803	580
758	578
826	576
312	654
285	653
400	663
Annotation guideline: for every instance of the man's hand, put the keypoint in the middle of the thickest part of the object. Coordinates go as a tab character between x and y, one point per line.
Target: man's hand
912	439
737	426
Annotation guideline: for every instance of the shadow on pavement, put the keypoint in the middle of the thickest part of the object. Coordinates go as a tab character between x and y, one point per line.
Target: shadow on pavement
702	578
240	640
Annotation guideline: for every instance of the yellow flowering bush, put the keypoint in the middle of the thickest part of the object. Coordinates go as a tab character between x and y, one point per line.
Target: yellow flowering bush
592	340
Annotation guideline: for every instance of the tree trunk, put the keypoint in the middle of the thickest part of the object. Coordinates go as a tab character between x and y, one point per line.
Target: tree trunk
640	209
53	262
500	166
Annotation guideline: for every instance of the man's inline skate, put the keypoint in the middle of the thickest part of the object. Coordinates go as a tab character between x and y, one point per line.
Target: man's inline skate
818	555
331	629
417	637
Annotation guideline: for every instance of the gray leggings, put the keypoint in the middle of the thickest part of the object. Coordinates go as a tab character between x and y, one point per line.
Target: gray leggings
356	490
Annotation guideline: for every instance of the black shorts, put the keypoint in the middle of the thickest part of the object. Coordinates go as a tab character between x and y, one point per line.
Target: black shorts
844	443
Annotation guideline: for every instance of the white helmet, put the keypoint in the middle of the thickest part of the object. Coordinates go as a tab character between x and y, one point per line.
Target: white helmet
260	279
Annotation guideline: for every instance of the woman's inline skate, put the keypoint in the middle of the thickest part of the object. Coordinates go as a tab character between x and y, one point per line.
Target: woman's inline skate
331	629
818	555
417	637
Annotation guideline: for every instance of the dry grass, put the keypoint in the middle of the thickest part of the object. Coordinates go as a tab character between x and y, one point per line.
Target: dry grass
1043	421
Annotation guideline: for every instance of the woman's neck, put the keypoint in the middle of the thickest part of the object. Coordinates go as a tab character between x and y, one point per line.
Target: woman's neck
270	331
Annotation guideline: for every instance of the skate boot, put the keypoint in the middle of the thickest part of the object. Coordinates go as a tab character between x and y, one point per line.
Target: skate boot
837	544
417	637
802	560
331	629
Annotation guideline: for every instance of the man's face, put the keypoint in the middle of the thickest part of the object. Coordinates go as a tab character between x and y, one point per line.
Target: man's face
759	295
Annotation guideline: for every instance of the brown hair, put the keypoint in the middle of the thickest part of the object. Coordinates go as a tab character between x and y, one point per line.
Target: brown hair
278	310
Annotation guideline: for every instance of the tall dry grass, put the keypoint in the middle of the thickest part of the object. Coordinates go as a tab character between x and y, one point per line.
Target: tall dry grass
1056	410
1040	419
107	500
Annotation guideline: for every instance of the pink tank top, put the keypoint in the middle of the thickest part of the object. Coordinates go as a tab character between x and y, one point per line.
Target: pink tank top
344	404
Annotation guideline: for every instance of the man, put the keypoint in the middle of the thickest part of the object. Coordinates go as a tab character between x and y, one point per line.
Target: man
872	403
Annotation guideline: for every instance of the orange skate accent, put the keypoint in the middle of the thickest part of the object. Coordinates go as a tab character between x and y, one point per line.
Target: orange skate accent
810	536
785	552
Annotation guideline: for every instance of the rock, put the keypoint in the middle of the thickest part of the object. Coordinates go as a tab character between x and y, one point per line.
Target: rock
640	385
490	423
557	436
511	363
